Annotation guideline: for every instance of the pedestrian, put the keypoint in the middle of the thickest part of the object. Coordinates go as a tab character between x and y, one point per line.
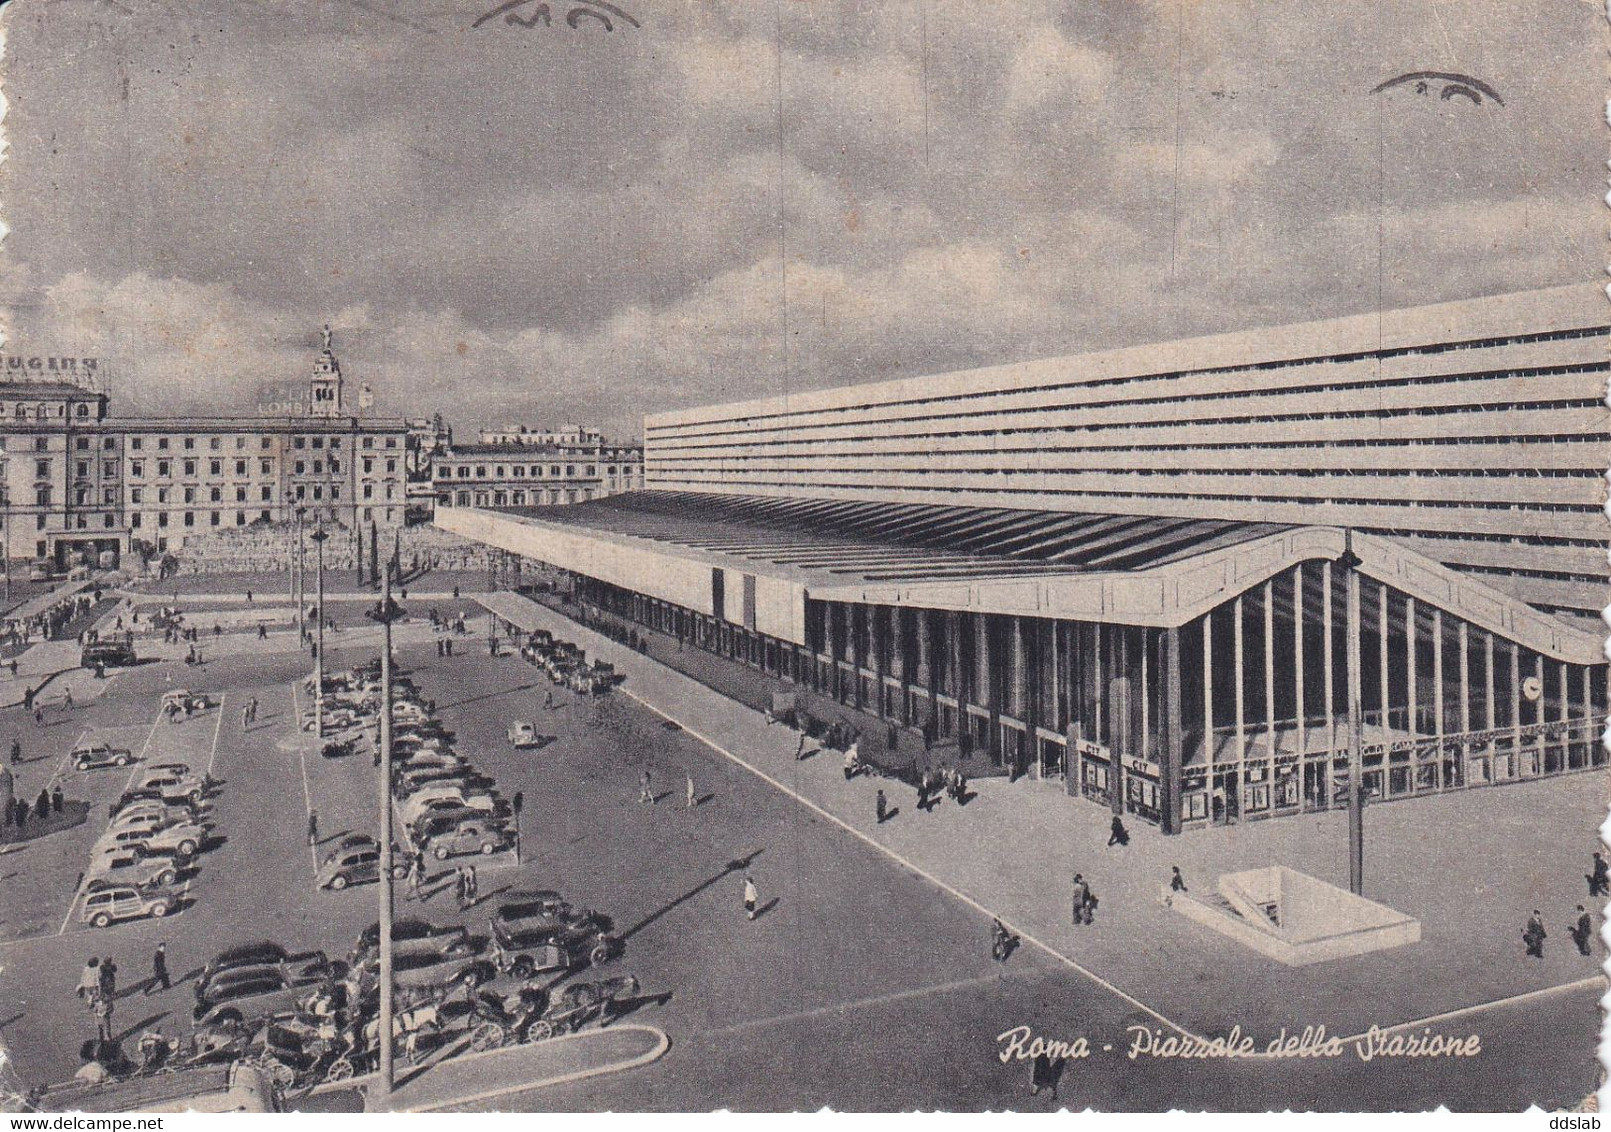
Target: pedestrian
251	706
799	750
16	750
645	796
1043	1075
1117	834
248	597
21	812
246	717
56	799
455	593
12	664
1600	878
108	978
89	981
448	645
39	717
923	790
28	702
1079	900
101	1007
313	827
461	887
1534	935
416	878
67	698
42	804
472	884
690	792
750	897
159	969
1582	931
1177	883
262	631
881	806
548	700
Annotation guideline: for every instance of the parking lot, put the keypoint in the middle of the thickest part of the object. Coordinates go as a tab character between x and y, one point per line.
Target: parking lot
876	987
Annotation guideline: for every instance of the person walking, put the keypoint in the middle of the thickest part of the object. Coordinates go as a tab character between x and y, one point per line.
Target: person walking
1534	935
313	828
246	718
16	751
108	978
689	793
159	970
28	695
645	796
39	716
56	799
1600	877
252	707
1117	834
881	806
89	980
1582	931
67	698
472	885
262	631
101	1007
416	879
751	896
1080	900
461	887
42	804
1177	883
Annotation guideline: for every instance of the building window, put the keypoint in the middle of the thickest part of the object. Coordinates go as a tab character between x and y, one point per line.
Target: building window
369	513
264	515
335	443
214	518
265	467
162	495
83	469
190	467
391	442
83	522
266	442
480	471
240	495
369	465
369	493
190	518
464	472
592	469
268	493
42	469
301	491
240	518
107	521
216	496
164	467
137	468
240	442
299	442
369	442
499	470
216	468
519	498
318	467
240	467
190	443
190	495
41	444
215	444
335	467
136	495
162	518
135	443
42	497
318	491
83	444
134	520
464	499
39	525
318	442
108	496
108	468
335	491
302	467
391	466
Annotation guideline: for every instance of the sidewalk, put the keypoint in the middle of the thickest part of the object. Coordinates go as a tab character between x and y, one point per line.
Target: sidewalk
469	1078
1012	850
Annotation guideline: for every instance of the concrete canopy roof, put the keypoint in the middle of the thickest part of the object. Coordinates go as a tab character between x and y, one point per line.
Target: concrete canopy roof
1136	570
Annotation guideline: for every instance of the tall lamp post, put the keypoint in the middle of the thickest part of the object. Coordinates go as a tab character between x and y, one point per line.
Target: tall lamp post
386	612
299	590
1356	728
318	538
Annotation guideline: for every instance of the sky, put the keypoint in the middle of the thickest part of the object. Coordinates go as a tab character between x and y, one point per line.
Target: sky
512	224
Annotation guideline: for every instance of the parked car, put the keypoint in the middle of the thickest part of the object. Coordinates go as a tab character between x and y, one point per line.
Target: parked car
418	802
357	864
92	756
138	800
269	992
181	703
410	937
468	835
107	654
335	719
292	968
460	964
133	864
171	784
258	954
183	839
107	904
523	952
444	812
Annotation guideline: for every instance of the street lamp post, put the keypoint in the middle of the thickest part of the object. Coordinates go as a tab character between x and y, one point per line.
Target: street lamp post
1356	729
299	589
386	613
319	536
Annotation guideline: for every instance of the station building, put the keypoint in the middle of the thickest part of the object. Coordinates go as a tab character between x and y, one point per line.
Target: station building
1164	575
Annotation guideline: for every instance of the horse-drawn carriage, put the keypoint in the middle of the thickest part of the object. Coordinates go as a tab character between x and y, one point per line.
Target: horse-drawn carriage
534	1014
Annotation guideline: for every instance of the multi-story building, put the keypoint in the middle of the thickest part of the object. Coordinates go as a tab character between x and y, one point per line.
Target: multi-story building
536	474
565	436
79	481
1193	580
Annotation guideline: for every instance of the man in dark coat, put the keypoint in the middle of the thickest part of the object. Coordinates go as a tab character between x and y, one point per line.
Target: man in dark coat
1080	900
881	804
42	804
1582	931
159	969
1533	935
56	799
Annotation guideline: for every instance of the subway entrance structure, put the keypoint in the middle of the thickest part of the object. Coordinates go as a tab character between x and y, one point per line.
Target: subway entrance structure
1127	571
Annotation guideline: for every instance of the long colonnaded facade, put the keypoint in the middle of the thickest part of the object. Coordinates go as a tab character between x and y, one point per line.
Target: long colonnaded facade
1164	574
